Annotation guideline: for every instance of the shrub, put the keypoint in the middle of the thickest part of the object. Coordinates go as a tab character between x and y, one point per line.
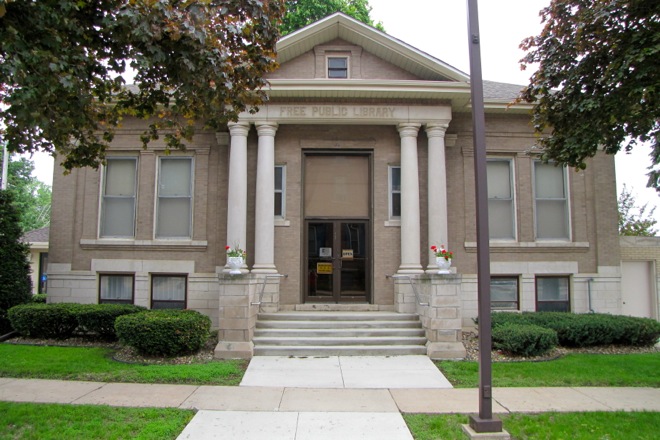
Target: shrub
504	318
39	298
638	332
524	339
15	281
57	321
164	332
99	319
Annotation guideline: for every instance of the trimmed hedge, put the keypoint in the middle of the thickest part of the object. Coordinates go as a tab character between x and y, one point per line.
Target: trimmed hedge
56	321
39	298
587	330
62	320
99	319
164	332
524	339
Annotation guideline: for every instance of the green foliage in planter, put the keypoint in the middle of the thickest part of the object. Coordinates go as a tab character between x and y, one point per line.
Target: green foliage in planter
39	298
15	281
164	332
56	321
99	319
524	340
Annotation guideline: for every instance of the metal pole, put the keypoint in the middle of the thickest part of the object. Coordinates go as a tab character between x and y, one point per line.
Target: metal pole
5	166
484	422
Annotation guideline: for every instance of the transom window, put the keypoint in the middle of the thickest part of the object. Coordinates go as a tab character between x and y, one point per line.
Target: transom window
175	182
552	294
116	288
551	200
501	209
337	67
504	293
118	198
395	191
168	291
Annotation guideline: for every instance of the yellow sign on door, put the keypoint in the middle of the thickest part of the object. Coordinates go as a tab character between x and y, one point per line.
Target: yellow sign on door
347	254
324	268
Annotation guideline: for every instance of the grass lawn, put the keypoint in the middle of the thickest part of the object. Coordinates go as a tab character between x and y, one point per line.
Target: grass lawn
42	421
550	426
95	364
578	370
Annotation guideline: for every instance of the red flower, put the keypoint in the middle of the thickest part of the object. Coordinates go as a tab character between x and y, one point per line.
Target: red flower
227	248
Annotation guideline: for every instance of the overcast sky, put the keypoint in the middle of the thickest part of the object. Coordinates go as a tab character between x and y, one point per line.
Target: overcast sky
439	28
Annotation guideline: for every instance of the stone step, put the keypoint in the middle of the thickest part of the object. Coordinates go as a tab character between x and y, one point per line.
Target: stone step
298	324
350	350
338	341
337	316
341	332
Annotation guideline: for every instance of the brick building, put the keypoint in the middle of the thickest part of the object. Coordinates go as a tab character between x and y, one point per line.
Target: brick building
361	160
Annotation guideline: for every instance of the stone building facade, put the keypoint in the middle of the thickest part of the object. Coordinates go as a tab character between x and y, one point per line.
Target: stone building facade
361	160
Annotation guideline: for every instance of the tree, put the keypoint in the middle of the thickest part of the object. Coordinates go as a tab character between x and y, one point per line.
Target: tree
598	79
634	220
61	62
31	197
300	13
15	282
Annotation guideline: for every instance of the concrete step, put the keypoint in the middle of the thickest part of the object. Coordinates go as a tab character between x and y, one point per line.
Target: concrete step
350	350
337	316
340	332
298	324
338	341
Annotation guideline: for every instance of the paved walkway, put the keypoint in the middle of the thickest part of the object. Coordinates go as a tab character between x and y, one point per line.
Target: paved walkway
367	408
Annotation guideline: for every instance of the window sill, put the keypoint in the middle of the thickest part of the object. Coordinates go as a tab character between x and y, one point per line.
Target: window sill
280	222
149	245
393	223
531	246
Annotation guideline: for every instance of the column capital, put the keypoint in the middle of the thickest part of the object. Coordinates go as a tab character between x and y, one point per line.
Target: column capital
239	128
266	128
436	130
408	129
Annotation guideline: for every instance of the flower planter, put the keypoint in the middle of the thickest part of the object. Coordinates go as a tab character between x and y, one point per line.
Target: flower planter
443	264
235	264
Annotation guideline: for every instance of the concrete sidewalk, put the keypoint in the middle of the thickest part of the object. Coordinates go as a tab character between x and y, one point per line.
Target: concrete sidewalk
254	413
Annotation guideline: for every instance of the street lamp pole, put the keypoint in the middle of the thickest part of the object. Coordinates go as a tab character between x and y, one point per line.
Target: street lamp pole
484	422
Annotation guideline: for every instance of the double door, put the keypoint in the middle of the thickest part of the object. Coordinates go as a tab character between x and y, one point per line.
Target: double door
338	266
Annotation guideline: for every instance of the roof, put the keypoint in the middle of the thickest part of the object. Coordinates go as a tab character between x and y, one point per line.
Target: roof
38	235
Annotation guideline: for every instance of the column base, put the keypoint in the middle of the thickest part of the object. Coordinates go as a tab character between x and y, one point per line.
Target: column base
233	350
410	269
264	268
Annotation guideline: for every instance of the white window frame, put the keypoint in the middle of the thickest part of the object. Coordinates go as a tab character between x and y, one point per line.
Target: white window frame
391	192
336	56
281	191
512	186
105	197
190	196
566	200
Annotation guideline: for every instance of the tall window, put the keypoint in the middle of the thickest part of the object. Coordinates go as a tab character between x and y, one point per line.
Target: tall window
501	209
504	293
174	219
118	198
337	67
280	191
168	291
395	192
552	294
116	288
551	197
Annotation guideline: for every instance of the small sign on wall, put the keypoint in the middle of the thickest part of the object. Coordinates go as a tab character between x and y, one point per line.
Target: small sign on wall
347	254
324	268
325	252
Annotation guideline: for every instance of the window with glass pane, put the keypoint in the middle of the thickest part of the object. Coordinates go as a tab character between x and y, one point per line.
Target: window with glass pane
337	67
551	201
116	288
501	210
168	291
552	294
504	293
118	199
280	194
395	192
174	218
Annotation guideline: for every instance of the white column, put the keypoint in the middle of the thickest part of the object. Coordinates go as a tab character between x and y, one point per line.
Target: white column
437	191
237	188
264	232
410	224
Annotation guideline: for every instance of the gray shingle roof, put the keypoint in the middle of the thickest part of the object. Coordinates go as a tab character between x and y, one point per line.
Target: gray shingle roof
38	235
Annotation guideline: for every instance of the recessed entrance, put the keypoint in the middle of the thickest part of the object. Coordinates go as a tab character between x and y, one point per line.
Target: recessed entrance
337	227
